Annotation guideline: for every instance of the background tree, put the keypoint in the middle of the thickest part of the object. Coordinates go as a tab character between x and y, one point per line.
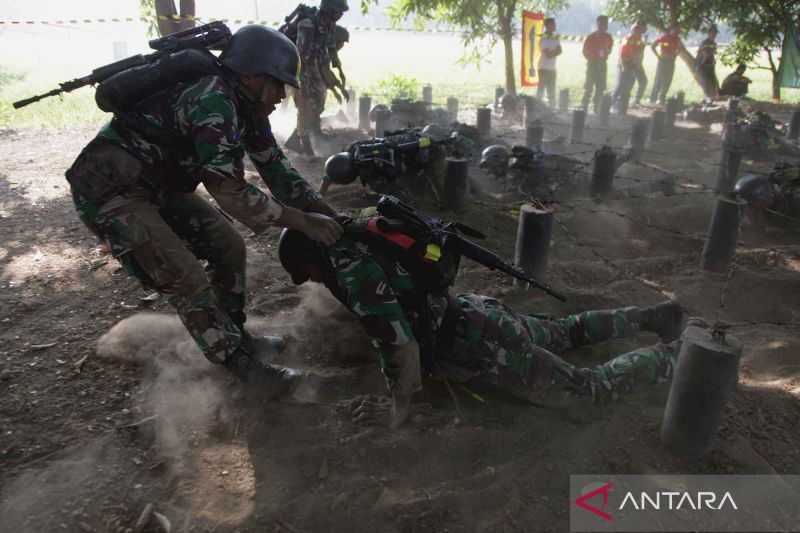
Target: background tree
759	26
484	23
160	13
661	14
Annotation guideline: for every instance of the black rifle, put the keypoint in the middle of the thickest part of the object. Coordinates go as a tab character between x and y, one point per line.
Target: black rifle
208	36
446	236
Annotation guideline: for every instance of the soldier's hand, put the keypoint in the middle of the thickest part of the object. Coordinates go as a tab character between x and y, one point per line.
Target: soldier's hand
321	228
345	94
336	95
371	410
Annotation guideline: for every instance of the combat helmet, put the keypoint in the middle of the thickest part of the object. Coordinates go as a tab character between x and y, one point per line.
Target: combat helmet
327	6
494	159
434	132
755	189
294	249
341	169
256	49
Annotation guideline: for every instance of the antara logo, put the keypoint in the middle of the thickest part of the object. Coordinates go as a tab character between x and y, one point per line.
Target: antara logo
581	502
666	500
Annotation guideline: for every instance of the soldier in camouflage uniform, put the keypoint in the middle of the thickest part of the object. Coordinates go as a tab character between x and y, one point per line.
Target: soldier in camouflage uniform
472	335
419	167
137	193
316	42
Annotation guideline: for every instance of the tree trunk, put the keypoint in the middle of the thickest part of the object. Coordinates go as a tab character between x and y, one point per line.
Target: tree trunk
166	8
776	87
506	13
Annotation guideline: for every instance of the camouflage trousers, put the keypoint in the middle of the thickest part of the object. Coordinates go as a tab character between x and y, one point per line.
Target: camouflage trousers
518	352
161	244
310	100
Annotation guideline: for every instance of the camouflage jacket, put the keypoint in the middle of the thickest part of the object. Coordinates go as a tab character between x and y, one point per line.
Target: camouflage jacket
392	309
210	112
316	42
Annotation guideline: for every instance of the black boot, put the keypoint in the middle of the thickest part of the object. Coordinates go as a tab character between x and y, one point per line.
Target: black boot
308	148
664	319
276	381
262	346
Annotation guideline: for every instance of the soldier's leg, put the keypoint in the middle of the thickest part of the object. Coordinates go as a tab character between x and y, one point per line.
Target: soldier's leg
590	327
304	100
212	237
551	89
633	370
148	248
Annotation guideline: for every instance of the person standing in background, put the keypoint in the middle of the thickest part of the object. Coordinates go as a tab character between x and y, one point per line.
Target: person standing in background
666	48
596	49
551	49
706	63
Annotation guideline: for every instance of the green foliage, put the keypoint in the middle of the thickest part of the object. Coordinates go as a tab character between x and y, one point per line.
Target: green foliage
10	76
147	9
689	14
396	86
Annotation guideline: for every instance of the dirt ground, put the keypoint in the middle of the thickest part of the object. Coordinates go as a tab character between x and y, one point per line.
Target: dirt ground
89	437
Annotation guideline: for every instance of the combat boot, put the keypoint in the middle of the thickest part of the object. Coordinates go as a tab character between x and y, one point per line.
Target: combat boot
664	319
262	346
276	381
308	148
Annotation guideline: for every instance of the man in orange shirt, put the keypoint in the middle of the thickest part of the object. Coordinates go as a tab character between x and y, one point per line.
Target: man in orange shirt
596	49
631	55
666	48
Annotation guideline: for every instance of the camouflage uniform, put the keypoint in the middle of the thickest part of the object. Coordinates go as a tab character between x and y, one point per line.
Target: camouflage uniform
430	161
139	198
491	341
316	42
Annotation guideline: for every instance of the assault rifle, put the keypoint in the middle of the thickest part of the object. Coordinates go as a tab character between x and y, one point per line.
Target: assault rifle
446	236
212	36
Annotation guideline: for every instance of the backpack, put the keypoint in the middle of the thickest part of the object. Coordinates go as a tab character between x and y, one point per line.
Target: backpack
289	27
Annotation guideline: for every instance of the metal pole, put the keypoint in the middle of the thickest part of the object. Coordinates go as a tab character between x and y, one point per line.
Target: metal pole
533	241
705	374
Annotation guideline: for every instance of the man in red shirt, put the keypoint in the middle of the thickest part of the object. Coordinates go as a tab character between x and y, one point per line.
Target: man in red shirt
629	67
666	48
596	49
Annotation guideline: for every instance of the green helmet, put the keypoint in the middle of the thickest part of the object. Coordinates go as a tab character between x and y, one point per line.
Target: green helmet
327	6
494	159
256	49
341	168
341	35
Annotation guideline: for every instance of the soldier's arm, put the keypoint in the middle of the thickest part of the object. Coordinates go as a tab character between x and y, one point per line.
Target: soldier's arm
212	122
276	170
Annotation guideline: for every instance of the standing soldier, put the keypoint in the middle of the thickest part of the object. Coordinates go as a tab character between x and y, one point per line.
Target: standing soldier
596	49
134	187
629	67
706	63
316	42
666	48
334	84
551	49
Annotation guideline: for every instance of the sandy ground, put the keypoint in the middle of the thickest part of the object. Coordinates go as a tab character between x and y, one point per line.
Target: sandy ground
89	437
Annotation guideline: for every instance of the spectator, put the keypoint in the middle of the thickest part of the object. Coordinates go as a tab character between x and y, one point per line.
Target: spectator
629	67
596	49
706	62
550	49
666	48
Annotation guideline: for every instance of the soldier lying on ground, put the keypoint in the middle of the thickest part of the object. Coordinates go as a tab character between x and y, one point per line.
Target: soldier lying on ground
402	161
136	192
527	173
774	199
415	324
759	135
